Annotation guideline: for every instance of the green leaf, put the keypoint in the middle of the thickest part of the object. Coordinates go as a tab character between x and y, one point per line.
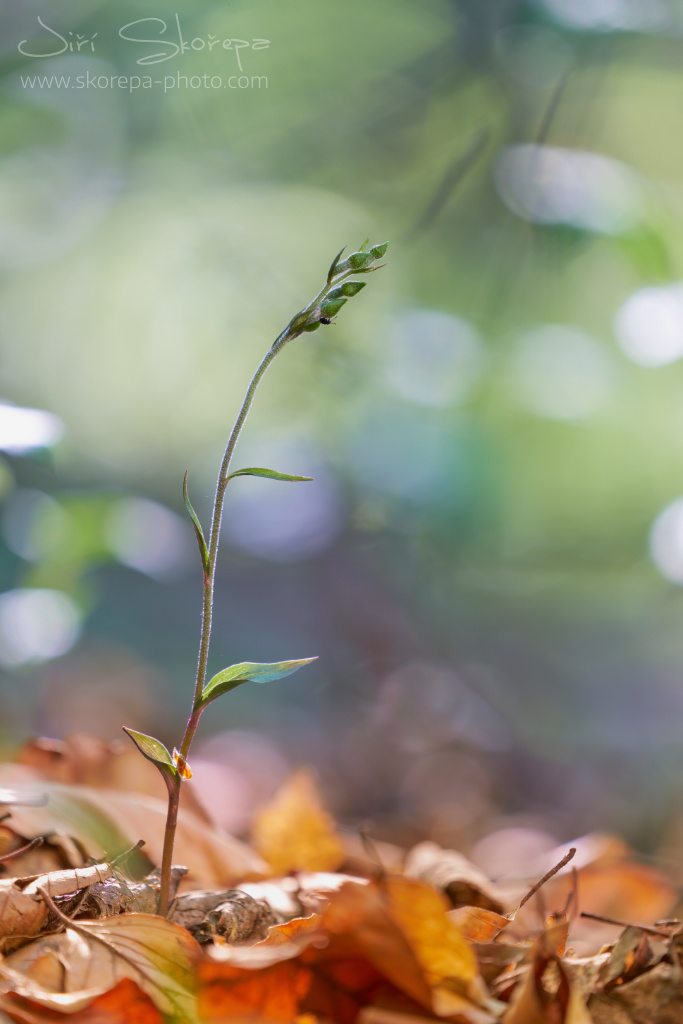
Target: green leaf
271	474
203	550
335	263
247	672
154	751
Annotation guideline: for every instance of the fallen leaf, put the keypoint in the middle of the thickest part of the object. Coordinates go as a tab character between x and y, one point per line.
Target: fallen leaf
107	821
478	925
232	993
294	832
158	955
439	945
21	916
126	1003
463	883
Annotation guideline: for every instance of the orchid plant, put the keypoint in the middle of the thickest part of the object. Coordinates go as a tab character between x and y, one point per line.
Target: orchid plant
337	290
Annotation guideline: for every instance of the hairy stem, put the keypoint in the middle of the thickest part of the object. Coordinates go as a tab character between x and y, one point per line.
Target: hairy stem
309	317
294	328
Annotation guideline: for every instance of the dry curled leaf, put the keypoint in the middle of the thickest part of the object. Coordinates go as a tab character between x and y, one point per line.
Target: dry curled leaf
463	883
160	957
294	832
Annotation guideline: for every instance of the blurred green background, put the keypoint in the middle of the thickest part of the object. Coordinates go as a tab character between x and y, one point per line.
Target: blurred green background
489	561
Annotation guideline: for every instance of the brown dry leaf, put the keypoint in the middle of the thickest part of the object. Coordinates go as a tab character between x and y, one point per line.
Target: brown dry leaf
124	1004
546	994
20	915
103	821
159	956
463	883
370	945
294	832
478	925
655	997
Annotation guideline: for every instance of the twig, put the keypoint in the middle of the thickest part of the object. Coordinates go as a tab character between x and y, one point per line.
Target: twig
546	878
38	841
650	929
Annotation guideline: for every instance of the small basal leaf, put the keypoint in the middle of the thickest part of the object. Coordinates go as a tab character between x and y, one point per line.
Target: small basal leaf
271	474
247	672
154	751
203	550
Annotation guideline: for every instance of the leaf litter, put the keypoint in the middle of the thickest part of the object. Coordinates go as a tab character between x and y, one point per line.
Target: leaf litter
305	926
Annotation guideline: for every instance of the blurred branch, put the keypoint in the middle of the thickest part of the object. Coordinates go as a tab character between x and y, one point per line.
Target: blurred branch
454	176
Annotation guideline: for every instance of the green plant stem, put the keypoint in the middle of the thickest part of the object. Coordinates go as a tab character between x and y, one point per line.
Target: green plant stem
289	333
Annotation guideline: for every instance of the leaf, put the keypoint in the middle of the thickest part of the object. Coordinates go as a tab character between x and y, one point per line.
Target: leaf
477	924
105	764
335	261
203	550
294	832
462	882
271	474
247	671
158	955
273	994
103	821
20	915
156	752
123	1004
438	943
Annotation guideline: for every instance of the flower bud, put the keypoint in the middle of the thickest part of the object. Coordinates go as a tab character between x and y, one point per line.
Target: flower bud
359	260
330	309
378	250
351	288
312	327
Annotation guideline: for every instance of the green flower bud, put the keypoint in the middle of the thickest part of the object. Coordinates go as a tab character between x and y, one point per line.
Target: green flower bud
336	293
312	327
351	288
378	250
330	309
358	260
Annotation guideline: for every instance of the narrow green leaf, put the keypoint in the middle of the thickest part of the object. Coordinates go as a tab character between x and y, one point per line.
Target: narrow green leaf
335	263
154	751
247	672
203	550
271	474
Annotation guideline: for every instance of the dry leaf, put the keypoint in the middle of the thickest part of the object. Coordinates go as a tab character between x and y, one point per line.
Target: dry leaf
463	883
439	945
124	1004
478	925
294	832
231	993
21	916
106	821
158	955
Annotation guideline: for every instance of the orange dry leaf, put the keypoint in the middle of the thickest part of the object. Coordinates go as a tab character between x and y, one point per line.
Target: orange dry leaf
478	925
294	832
232	993
123	1004
439	945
